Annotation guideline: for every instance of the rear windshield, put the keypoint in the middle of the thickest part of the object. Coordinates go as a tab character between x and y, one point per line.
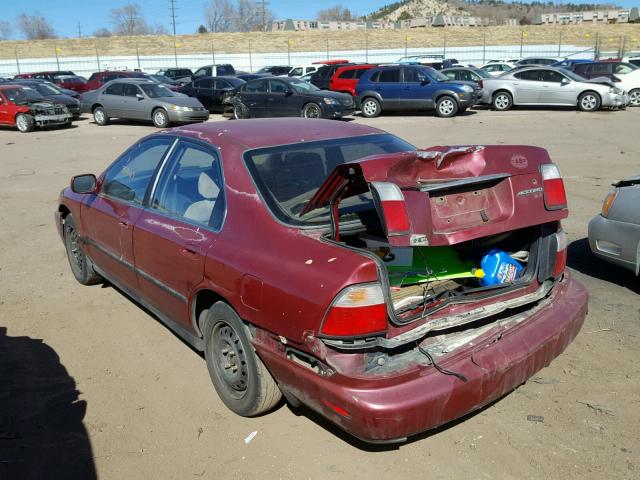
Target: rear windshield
288	176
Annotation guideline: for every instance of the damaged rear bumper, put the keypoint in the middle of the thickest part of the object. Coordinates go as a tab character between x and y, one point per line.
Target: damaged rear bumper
392	407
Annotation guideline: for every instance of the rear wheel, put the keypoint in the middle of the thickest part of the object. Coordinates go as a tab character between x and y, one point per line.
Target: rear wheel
589	102
370	107
502	101
81	266
634	97
238	375
312	110
446	107
240	111
160	118
100	116
25	122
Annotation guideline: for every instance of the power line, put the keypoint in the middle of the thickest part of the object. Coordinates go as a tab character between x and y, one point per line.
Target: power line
263	12
172	7
79	30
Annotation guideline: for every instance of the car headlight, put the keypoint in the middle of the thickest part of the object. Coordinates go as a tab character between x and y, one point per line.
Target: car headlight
616	90
178	108
330	101
467	88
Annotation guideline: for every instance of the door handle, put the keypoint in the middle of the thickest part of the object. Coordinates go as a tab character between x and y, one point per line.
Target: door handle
124	224
188	252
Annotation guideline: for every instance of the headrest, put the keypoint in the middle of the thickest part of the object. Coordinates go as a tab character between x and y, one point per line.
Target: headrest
207	188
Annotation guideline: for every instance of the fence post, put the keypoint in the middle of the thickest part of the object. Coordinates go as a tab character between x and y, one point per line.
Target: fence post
521	41
250	58
17	61
97	57
138	56
213	53
327	46
57	59
559	43
484	46
622	46
596	51
444	44
366	47
288	51
406	41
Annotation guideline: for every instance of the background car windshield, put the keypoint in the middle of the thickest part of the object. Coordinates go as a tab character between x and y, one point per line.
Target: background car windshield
574	76
289	175
435	75
22	95
303	87
155	90
481	73
45	89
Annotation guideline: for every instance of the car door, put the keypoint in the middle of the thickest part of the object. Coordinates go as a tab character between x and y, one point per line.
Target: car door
254	97
108	218
391	89
282	100
112	100
5	114
134	107
557	89
526	87
203	88
417	90
173	235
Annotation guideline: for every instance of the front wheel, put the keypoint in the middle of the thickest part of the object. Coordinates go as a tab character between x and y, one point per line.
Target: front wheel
370	107
634	97
25	123
239	377
502	101
446	107
589	102
160	118
240	111
81	266
311	110
100	116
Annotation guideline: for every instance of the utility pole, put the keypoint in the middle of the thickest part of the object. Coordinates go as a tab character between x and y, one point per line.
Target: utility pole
172	8
263	13
79	30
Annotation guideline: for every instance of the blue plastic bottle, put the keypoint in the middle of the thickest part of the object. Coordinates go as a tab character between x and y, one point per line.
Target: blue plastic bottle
498	267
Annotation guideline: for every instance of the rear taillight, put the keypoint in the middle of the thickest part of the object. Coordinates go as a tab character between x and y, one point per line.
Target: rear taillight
357	311
480	83
561	253
394	209
608	203
555	196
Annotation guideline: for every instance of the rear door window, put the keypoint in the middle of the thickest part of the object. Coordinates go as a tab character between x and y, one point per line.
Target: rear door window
115	89
347	74
390	75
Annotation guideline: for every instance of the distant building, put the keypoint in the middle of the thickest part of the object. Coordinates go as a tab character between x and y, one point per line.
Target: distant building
441	20
629	15
433	21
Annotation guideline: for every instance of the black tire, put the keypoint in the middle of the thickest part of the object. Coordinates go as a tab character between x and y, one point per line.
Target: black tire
240	111
370	107
25	123
589	102
634	97
80	264
100	116
311	110
446	107
502	101
239	377
160	118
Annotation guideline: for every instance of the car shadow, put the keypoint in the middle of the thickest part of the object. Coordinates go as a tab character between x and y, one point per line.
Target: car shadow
41	429
421	113
580	258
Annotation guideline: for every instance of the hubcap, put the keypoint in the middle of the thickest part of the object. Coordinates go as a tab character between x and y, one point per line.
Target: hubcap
99	116
502	102
74	248
311	111
589	102
634	98
369	108
159	118
231	359
446	107
21	123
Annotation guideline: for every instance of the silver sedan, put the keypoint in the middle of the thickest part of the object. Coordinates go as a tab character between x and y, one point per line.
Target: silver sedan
614	234
553	87
140	99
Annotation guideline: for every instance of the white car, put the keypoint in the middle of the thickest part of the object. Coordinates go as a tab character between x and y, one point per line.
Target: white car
301	70
495	69
633	59
631	83
512	60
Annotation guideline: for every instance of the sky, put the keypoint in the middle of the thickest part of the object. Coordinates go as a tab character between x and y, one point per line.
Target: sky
65	15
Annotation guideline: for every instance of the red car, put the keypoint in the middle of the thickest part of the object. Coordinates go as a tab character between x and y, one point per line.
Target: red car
71	82
346	78
24	108
97	79
49	76
332	263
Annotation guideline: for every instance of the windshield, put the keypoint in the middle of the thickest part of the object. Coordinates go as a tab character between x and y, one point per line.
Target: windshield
288	176
481	73
22	95
156	90
434	74
45	89
573	76
301	86
161	79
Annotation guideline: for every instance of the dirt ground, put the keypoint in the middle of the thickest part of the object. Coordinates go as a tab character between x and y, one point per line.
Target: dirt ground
93	386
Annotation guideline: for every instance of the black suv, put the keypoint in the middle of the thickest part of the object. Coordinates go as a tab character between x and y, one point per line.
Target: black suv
603	69
220	70
179	75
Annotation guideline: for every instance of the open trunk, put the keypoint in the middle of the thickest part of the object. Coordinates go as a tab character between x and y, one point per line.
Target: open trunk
436	218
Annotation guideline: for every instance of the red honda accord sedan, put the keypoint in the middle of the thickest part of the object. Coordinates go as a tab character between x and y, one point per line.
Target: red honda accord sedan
388	288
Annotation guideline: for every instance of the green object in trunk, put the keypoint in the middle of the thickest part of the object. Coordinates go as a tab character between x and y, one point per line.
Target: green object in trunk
426	264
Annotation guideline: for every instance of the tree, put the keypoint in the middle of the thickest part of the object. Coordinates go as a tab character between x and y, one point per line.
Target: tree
250	17
35	27
202	29
335	13
128	20
5	30
219	15
102	33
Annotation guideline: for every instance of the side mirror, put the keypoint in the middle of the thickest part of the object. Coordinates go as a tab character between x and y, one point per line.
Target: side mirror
84	183
288	93
424	82
139	96
565	81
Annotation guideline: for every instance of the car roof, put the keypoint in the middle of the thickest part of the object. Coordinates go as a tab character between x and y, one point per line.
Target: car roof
270	132
130	80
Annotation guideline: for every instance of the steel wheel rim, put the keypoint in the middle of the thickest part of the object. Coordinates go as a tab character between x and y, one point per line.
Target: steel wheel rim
238	112
99	116
588	102
502	102
21	123
369	107
446	107
634	98
311	111
230	359
74	248
159	118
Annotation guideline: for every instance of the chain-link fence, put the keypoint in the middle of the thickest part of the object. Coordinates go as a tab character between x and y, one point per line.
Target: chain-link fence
473	46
